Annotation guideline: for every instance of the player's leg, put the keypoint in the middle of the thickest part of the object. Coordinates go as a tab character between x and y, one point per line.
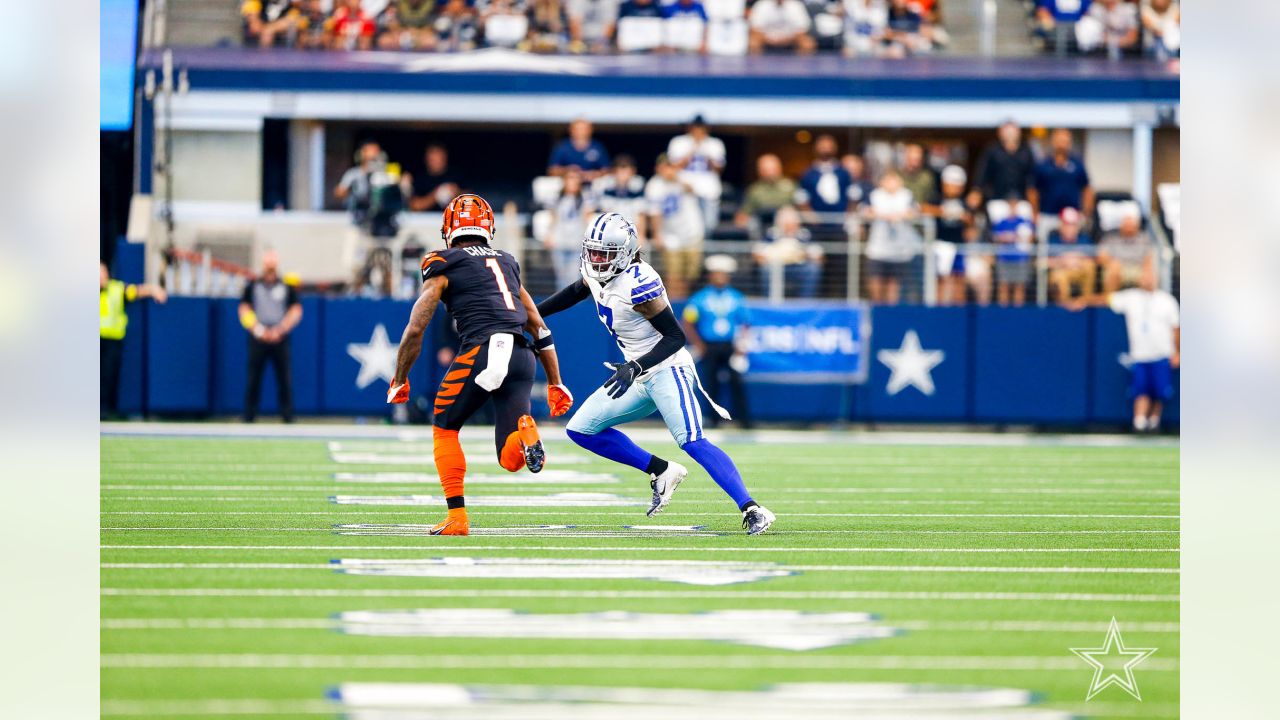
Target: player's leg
515	434
1161	390
457	399
674	393
253	389
593	428
1141	393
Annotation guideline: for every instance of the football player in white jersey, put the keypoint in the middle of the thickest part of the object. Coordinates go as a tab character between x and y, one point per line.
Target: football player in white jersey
658	374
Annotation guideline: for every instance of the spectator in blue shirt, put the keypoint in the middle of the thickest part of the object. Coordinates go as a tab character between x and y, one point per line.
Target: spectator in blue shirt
1056	19
579	151
1012	230
639	8
1061	182
682	8
716	321
826	186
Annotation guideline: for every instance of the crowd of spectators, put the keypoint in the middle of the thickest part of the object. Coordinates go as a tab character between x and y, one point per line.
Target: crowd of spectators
1116	28
1025	206
886	28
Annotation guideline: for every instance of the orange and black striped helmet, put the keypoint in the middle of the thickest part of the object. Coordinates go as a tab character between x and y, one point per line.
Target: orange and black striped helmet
467	215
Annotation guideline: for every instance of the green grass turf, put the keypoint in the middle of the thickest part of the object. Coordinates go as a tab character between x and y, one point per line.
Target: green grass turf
863	522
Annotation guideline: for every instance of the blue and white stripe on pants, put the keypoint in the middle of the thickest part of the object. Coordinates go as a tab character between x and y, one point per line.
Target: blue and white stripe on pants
671	391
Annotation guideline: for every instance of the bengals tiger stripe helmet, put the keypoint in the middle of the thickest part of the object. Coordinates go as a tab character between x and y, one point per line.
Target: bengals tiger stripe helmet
467	215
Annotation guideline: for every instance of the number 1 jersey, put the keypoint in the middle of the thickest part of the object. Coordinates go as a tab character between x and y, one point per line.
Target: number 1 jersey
483	295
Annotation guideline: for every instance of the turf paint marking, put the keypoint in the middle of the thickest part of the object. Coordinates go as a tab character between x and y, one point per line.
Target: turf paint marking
428	661
1030	626
371	530
373	458
687	572
821	701
773	629
243	529
629	549
546	477
773	595
556	500
692	572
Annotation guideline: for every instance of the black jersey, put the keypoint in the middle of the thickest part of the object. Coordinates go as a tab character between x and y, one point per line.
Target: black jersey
483	294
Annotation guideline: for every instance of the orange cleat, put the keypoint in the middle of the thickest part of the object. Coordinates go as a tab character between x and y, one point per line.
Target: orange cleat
534	455
455	524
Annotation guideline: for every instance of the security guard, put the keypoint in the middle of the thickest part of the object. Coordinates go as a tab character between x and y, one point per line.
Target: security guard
113	295
715	321
269	310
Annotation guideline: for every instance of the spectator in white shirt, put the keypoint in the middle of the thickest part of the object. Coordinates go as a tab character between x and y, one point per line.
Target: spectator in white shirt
700	158
780	26
569	217
1110	24
676	227
893	240
1151	319
1161	25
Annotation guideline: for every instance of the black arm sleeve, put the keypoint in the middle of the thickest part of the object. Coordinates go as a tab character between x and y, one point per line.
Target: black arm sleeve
564	298
671	342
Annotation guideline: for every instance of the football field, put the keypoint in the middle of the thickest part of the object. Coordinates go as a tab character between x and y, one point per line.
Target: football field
286	573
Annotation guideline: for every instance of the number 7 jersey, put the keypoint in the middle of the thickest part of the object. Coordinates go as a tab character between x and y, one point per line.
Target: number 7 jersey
615	306
483	295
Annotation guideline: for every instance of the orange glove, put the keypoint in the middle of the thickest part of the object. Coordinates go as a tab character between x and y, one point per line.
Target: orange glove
398	394
559	399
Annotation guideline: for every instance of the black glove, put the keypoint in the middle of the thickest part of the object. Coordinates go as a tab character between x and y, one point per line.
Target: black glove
623	375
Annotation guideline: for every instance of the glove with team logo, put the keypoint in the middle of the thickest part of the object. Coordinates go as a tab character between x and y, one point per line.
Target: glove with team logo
623	375
398	394
559	399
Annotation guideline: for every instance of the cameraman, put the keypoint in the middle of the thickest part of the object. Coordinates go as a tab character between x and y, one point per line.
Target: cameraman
372	192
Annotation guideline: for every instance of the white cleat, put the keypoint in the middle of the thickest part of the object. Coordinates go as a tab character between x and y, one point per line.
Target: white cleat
757	519
664	486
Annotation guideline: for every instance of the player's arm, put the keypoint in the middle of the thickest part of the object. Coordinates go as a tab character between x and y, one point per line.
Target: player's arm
559	399
155	292
563	299
658	312
411	340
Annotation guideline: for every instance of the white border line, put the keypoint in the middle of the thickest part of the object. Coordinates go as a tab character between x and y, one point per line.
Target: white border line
533	562
470	593
428	661
611	548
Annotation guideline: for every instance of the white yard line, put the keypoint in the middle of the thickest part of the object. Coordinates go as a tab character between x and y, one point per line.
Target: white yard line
328	531
551	511
517	480
778	595
611	548
302	497
805	568
430	661
646	434
913	625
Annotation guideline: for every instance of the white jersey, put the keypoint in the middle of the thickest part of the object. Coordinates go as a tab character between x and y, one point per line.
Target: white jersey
615	306
1151	317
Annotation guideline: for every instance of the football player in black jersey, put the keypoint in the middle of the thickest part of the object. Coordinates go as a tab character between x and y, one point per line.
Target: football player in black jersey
481	288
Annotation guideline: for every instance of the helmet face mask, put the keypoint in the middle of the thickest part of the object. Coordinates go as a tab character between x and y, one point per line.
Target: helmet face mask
609	247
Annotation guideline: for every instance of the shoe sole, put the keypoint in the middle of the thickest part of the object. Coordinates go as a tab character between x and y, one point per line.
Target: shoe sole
762	530
666	500
465	531
534	455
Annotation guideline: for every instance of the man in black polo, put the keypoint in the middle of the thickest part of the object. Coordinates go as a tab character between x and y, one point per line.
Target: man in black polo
269	310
